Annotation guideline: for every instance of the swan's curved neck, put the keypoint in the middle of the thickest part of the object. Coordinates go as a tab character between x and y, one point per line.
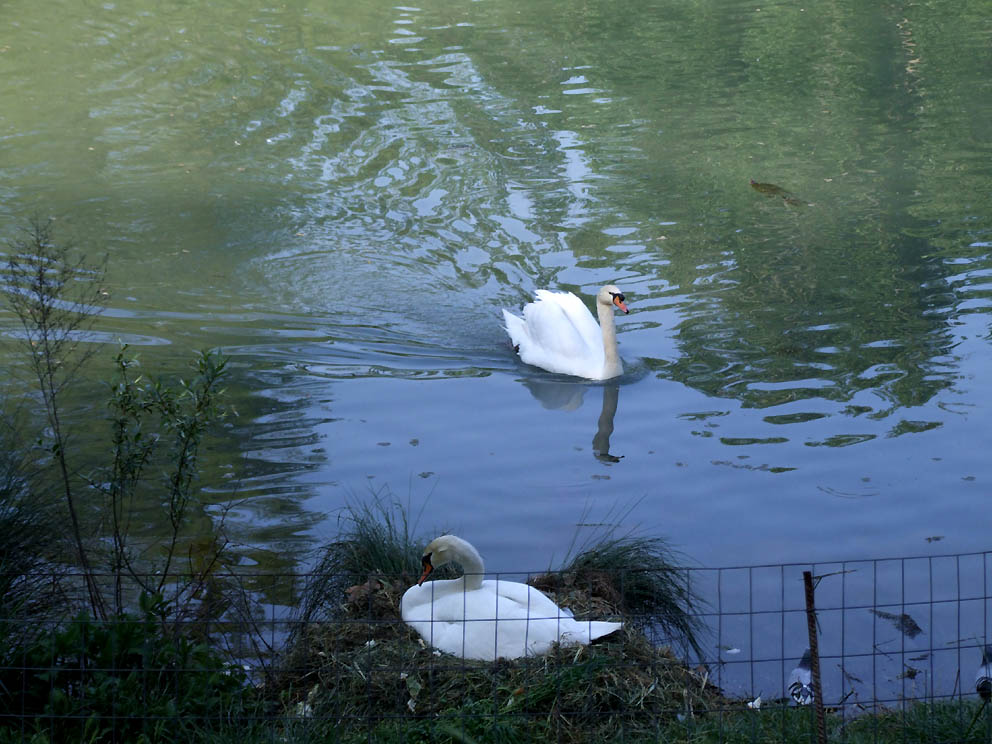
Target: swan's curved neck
612	365
471	563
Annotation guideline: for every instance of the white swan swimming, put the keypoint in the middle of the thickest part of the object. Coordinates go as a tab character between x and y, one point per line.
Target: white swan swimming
487	620
558	333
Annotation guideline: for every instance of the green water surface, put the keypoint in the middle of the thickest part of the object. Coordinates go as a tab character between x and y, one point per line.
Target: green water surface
342	196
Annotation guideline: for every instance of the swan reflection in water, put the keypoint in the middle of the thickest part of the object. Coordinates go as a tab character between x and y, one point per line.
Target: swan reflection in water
567	396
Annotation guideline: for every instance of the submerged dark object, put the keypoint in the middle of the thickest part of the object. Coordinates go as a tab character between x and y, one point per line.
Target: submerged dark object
771	189
768	188
904	623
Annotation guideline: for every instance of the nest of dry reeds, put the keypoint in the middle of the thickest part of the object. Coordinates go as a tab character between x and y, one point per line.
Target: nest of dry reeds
355	666
365	670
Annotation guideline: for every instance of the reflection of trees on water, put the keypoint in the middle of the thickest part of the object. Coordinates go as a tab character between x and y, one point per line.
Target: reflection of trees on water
819	313
270	526
568	396
856	291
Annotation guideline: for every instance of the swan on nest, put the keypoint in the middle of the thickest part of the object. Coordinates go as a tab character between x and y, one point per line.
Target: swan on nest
488	619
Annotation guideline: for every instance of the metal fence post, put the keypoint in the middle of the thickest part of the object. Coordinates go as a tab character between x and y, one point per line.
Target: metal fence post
814	660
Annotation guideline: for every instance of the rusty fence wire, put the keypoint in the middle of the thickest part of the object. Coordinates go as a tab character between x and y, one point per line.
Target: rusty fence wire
898	644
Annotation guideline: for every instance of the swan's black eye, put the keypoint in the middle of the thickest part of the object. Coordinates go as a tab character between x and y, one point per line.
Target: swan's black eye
618	296
426	560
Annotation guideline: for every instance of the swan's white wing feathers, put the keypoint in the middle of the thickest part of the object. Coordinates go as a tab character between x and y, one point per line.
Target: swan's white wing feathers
525	599
558	333
516	328
496	599
501	619
560	323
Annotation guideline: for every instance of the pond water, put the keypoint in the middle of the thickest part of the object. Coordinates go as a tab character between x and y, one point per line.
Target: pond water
342	200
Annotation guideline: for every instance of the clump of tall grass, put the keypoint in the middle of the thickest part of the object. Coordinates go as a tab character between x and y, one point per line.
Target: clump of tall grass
376	541
636	577
28	543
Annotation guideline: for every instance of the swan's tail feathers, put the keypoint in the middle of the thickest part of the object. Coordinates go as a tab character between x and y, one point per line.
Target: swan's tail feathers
601	628
516	328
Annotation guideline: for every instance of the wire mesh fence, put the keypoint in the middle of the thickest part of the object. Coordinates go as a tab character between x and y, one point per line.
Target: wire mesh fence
889	631
898	644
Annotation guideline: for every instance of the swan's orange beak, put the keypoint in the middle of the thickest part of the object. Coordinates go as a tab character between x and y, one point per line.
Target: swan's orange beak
426	561
620	304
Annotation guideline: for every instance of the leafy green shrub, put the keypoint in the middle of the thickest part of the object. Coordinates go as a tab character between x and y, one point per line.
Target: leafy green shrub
157	429
121	680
